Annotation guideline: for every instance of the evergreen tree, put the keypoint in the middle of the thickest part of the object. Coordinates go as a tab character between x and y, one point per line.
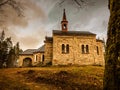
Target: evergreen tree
2	37
17	51
8	53
11	58
3	49
112	59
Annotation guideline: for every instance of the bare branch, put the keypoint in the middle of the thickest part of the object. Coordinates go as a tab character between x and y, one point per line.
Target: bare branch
3	3
16	5
61	2
108	4
78	3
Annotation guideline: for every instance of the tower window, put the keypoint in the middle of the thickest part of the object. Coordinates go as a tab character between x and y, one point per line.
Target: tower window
64	26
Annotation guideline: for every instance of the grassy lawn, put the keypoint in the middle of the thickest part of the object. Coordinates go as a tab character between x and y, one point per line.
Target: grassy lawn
52	78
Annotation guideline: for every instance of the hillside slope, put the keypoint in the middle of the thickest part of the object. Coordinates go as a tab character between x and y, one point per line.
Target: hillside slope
52	78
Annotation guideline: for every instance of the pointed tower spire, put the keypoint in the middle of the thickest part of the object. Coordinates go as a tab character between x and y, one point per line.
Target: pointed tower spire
64	16
64	22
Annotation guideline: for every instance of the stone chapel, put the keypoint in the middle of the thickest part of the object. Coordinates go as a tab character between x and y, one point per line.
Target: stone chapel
66	47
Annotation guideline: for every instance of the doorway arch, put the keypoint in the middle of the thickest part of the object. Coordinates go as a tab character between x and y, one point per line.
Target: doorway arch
27	62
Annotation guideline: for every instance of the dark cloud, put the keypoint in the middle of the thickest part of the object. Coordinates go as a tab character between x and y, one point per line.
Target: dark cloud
31	11
34	10
14	25
42	16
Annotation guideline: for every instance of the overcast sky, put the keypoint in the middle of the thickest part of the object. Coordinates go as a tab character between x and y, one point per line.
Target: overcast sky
43	16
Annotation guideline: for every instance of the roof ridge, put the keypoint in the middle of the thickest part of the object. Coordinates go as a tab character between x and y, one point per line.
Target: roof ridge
73	32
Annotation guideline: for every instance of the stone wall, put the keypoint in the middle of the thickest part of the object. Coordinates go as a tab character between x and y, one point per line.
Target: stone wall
48	52
36	58
75	56
22	57
100	57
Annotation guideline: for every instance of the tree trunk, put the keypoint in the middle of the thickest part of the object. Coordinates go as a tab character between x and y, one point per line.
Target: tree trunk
112	66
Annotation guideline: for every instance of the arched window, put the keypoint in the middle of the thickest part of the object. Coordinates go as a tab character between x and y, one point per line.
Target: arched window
97	50
67	48
63	48
43	58
87	49
82	47
36	58
64	26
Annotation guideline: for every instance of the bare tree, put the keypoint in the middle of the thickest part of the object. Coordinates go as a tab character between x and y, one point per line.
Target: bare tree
79	3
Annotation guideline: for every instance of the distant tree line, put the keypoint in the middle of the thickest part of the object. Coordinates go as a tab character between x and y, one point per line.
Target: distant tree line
9	54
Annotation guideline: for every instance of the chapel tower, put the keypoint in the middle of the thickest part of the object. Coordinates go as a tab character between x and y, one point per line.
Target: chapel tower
64	22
